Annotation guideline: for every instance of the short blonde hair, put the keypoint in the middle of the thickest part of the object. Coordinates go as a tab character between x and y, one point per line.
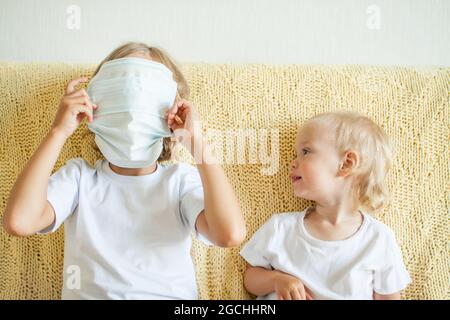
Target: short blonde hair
159	55
363	136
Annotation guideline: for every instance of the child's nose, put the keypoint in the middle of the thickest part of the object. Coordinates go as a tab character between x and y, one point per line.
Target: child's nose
294	164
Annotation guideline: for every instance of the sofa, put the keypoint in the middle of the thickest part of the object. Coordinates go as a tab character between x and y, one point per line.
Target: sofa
252	101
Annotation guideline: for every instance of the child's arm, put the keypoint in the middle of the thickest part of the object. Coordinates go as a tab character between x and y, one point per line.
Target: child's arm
393	296
260	281
222	221
28	210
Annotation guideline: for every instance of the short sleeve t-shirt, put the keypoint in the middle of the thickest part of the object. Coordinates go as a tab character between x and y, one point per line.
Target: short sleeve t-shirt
126	237
354	268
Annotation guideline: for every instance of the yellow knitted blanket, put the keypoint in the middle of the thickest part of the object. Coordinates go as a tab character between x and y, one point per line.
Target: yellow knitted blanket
411	104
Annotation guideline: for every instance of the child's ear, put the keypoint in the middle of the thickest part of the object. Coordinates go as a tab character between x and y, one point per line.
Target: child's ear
349	163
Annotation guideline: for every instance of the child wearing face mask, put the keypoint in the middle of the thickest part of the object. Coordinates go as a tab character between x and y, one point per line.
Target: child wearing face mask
334	249
127	219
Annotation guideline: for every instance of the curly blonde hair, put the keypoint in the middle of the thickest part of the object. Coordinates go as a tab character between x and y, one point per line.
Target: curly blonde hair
360	134
159	55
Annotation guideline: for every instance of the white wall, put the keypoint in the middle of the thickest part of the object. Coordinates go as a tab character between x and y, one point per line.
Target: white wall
411	32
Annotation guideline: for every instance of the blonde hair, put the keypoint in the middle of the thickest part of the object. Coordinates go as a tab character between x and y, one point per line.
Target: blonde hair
159	55
360	134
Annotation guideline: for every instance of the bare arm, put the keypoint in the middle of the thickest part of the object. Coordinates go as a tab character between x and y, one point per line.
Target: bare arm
221	221
27	210
260	281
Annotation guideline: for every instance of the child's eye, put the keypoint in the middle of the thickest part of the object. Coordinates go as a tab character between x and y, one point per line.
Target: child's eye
305	151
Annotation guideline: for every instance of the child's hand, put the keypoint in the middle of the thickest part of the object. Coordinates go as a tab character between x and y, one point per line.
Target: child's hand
183	115
74	106
289	287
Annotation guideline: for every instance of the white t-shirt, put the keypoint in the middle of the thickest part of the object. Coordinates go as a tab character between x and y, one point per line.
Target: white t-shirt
126	237
370	260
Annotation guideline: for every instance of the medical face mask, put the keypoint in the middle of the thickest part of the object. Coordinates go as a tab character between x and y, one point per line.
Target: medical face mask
132	95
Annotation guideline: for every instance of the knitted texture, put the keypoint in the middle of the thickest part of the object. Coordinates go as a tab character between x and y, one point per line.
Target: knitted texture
411	104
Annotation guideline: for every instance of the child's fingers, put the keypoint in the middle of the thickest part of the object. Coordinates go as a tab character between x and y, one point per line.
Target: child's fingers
73	83
78	93
174	118
177	112
83	100
308	293
81	96
179	106
77	109
295	294
181	102
287	296
173	110
184	103
178	120
302	293
170	119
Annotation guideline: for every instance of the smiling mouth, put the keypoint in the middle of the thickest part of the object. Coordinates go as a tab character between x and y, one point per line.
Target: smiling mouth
296	178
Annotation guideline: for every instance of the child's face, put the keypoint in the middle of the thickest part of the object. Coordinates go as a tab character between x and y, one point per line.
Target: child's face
314	171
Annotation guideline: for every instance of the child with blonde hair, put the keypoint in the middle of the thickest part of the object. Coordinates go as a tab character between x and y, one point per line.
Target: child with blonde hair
334	249
128	218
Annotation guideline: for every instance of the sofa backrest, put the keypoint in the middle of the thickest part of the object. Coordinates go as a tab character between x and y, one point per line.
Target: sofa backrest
260	106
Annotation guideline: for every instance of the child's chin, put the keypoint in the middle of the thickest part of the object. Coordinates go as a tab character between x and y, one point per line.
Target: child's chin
301	193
